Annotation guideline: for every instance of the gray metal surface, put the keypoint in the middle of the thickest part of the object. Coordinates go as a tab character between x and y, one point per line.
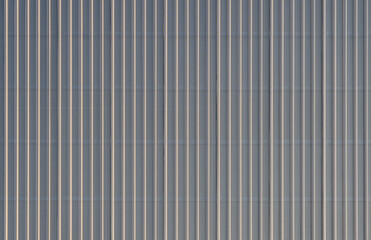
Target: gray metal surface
184	119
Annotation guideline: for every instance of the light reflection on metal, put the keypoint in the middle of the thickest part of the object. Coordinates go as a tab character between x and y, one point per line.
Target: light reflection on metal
236	121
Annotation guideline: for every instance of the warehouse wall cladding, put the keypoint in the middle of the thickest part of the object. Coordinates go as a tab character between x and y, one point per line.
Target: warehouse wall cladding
185	119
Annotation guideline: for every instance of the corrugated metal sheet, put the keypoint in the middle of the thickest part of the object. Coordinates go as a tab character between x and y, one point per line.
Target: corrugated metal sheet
184	119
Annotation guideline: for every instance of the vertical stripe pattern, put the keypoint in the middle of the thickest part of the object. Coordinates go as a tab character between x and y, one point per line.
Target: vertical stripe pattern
184	119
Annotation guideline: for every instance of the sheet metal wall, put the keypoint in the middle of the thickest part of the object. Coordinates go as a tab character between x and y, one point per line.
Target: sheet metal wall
184	119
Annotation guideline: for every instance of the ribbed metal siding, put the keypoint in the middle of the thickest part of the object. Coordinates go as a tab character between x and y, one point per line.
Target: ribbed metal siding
184	119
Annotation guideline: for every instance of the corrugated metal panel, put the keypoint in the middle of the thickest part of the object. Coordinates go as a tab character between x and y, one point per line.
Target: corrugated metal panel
184	119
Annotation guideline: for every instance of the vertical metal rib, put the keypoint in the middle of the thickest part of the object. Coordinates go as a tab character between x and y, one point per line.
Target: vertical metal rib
303	85
28	120
91	118
282	119
166	197
60	120
367	164
156	105
49	121
177	120
293	123
324	138
229	119
271	117
134	119
113	110
314	205
219	102
145	118
335	219
6	160
71	123
198	125
345	119
17	122
355	89
102	119
208	120
250	127
123	72
38	119
81	119
155	125
187	140
261	200
240	181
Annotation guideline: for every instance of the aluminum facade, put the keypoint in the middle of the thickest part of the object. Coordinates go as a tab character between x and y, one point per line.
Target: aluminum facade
184	119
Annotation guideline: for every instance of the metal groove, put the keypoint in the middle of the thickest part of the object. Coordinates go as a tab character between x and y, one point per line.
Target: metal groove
123	170
198	125
17	123
134	53
234	119
6	155
366	110
345	7
113	106
229	118
102	121
282	157
292	123
314	230
240	156
303	126
92	118
355	89
271	125
145	117
335	222
166	131
81	118
60	120
324	125
70	116
261	174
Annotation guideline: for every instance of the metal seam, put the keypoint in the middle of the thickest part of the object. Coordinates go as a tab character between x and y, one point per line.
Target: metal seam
145	118
91	117
17	122
123	227
271	211
240	125
113	109
59	121
166	197
70	120
177	121
314	230
6	160
134	119
261	5
198	123
303	125
81	118
356	190
282	120
229	119
335	125
345	119
293	122
102	60
324	137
